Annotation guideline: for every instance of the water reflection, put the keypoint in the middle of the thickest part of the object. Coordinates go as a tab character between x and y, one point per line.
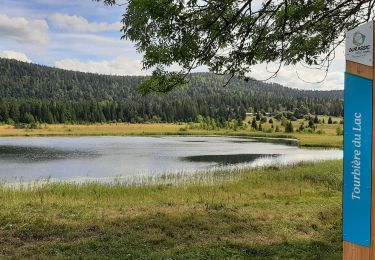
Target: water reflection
69	158
38	154
229	159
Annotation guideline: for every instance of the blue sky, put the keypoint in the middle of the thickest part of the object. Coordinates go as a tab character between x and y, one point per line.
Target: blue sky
85	35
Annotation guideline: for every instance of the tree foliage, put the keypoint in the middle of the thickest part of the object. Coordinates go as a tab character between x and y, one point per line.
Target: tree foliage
254	124
32	92
230	36
289	127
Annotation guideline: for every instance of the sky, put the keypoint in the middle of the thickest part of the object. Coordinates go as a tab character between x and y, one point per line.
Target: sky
84	35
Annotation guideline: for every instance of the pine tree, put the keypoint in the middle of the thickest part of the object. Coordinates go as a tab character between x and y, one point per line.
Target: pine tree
254	124
289	127
28	118
311	124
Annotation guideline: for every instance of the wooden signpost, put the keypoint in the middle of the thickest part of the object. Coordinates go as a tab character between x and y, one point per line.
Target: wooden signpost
359	161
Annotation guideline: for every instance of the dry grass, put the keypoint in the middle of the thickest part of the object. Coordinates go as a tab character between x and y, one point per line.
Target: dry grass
326	139
92	129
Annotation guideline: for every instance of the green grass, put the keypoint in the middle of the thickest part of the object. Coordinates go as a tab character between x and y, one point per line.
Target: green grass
275	213
304	139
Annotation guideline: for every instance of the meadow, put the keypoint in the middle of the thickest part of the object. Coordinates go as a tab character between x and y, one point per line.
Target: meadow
275	213
324	136
290	212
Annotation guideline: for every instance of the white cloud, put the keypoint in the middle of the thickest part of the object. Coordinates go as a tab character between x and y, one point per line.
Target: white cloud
93	40
14	55
305	78
73	23
118	66
24	30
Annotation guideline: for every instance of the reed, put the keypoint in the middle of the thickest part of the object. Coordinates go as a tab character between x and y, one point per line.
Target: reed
289	212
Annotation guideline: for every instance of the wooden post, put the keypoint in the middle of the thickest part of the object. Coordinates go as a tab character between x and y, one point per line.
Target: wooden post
359	63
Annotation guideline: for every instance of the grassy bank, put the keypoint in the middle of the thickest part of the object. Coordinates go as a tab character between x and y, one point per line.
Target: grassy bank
328	139
287	213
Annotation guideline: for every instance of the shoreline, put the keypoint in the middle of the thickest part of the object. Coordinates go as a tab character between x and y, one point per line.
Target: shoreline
213	176
124	129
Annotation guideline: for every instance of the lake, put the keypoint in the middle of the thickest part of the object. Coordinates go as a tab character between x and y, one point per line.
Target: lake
24	159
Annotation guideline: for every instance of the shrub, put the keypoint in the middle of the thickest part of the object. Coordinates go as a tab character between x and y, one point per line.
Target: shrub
312	125
289	127
301	127
309	130
339	130
268	130
33	125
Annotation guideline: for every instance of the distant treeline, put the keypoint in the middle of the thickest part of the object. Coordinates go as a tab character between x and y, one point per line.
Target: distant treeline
30	92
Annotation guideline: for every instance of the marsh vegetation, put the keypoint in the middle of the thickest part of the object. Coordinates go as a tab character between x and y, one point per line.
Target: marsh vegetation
275	213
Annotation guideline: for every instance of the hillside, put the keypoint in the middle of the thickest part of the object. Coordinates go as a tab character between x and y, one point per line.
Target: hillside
29	91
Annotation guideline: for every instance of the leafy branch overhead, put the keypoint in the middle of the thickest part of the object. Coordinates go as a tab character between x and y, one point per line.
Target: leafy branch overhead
230	36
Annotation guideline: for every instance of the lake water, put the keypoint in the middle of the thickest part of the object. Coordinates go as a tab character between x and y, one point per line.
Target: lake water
102	158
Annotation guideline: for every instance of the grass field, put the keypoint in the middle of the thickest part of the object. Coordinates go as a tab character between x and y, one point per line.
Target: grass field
275	213
92	129
328	138
286	213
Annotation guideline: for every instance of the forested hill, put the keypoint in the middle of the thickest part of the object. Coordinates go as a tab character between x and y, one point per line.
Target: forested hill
29	91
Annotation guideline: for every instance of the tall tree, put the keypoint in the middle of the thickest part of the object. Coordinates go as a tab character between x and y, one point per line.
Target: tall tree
85	97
